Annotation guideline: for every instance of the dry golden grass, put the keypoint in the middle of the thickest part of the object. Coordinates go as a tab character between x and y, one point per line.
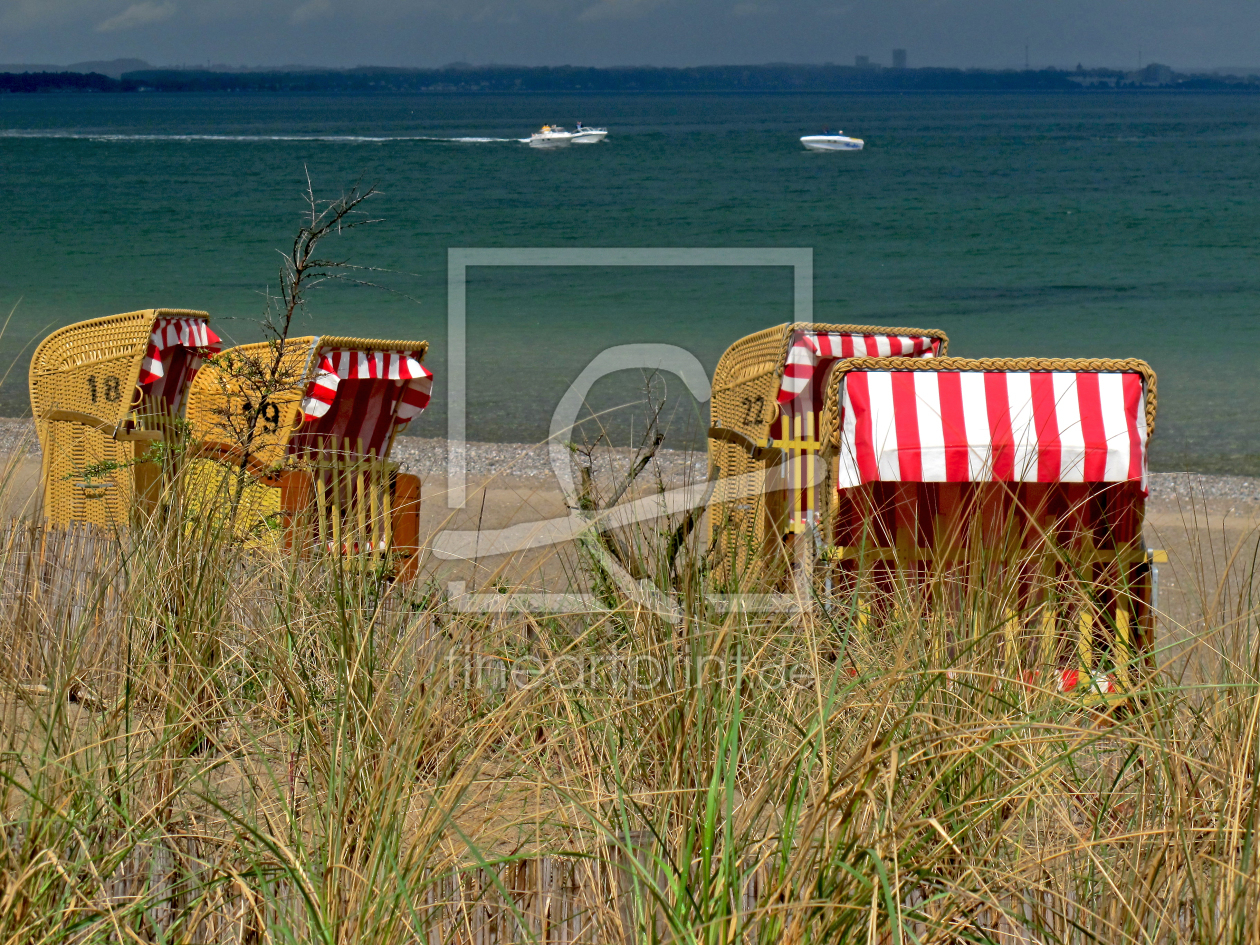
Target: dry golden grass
209	743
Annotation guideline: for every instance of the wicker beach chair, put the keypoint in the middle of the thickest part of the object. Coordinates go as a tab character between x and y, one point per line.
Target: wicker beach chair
1019	481
313	462
766	405
103	392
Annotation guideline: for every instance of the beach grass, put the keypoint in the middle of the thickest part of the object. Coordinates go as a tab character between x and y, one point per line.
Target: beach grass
205	739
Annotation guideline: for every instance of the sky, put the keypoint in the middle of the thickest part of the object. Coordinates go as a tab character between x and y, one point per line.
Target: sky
338	33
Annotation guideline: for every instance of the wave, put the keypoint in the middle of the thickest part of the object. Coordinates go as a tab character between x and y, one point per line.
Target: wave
335	139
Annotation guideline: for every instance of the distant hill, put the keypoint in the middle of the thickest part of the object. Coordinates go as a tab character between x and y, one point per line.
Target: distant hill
60	82
464	78
461	77
29	67
114	68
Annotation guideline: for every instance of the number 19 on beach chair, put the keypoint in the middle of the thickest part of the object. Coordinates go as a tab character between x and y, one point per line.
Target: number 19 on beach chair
766	405
102	393
1017	485
315	450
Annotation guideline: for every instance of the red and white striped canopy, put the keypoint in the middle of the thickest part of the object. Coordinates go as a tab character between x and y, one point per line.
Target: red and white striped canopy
809	349
177	347
336	365
991	426
182	332
360	398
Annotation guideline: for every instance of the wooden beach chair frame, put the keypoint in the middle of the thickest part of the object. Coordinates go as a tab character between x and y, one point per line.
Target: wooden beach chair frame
332	491
754	538
103	391
1086	533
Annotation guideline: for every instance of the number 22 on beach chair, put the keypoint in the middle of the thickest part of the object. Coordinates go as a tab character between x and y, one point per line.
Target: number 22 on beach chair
311	428
766	405
103	392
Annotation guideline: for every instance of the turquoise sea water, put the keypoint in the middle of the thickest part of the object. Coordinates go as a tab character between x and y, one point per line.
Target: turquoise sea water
1056	225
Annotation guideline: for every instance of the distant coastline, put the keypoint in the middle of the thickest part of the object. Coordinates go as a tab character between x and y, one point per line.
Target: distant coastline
553	79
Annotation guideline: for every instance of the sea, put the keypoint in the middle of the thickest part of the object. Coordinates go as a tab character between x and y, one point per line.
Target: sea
1064	225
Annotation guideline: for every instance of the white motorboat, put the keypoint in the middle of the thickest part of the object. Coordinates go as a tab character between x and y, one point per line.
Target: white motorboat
584	135
832	142
551	136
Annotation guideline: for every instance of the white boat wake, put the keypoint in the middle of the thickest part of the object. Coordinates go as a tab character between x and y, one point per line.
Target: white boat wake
336	139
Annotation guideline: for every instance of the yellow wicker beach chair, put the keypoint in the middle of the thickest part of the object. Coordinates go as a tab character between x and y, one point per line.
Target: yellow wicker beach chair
310	461
767	401
102	393
1019	482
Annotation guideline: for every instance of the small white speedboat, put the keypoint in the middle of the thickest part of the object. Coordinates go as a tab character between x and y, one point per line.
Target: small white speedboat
584	135
551	136
832	142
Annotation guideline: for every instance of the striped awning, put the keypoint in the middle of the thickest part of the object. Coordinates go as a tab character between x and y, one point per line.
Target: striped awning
986	426
181	332
809	349
402	367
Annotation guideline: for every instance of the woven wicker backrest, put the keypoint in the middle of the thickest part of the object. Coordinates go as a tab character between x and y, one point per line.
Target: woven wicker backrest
744	400
346	491
84	386
93	366
221	397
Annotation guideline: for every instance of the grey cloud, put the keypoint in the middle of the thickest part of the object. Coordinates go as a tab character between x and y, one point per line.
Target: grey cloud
311	10
992	33
20	16
754	9
138	14
618	9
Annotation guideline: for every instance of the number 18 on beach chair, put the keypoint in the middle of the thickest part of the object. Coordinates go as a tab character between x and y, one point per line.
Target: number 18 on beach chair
315	450
766	405
102	393
1020	483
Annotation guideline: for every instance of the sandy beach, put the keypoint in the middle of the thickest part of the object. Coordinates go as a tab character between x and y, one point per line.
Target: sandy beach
1207	524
